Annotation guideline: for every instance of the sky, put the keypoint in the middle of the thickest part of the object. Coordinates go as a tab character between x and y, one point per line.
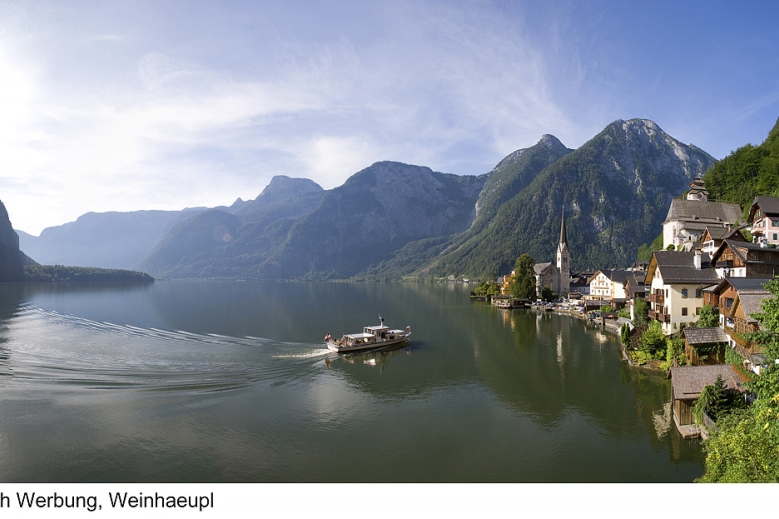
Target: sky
134	105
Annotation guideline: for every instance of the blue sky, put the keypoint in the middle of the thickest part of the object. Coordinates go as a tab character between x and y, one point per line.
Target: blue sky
164	105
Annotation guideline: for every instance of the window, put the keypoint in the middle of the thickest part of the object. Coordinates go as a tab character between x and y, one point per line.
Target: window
684	310
684	292
698	293
698	310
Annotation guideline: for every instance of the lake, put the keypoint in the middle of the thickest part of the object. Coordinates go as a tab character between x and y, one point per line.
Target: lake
230	382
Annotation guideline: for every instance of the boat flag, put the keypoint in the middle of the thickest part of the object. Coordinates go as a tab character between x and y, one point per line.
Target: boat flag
408	328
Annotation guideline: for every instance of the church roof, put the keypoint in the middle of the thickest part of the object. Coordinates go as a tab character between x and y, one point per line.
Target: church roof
539	268
705	212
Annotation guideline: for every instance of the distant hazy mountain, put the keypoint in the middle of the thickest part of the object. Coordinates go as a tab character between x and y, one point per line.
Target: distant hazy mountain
295	229
373	214
111	240
11	268
233	242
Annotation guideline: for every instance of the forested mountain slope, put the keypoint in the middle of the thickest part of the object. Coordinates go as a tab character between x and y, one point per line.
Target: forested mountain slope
615	190
747	172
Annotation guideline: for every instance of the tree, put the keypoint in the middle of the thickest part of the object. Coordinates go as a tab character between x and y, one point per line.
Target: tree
652	340
624	334
645	251
767	384
640	311
523	286
745	447
708	317
713	401
547	294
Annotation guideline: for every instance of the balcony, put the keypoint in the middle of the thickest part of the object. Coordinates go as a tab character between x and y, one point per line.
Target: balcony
659	316
656	298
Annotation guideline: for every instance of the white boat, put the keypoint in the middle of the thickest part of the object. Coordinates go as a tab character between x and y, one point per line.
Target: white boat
372	337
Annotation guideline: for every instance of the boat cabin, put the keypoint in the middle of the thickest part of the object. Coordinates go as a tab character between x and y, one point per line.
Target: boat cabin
372	334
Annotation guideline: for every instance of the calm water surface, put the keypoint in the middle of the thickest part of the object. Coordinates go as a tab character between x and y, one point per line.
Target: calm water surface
221	381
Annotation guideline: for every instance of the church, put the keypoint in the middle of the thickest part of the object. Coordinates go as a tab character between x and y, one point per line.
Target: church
557	278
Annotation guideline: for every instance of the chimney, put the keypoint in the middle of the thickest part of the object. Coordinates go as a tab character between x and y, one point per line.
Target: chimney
697	260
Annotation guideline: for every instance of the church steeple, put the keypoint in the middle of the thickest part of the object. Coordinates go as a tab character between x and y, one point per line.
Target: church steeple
563	237
563	262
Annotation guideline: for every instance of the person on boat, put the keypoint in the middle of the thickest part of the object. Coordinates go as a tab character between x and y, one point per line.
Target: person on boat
327	337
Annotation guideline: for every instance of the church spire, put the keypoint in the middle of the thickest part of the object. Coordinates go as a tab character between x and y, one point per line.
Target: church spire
563	236
563	262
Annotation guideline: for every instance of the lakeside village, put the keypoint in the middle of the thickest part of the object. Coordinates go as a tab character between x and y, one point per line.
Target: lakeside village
688	311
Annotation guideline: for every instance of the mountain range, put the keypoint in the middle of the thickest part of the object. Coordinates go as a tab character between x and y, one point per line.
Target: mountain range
394	220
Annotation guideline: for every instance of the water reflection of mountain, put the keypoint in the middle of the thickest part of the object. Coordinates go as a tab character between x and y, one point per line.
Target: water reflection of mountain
11	302
553	365
11	298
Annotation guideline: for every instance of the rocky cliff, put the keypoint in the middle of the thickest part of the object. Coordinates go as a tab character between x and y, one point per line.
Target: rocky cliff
11	269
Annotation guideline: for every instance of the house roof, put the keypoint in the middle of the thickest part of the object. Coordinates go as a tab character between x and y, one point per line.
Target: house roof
688	381
741	285
742	249
605	272
751	304
692	210
679	267
769	205
717	232
619	276
749	285
705	335
635	284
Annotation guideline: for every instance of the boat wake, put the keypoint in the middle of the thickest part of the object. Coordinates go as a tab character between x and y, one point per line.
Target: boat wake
63	349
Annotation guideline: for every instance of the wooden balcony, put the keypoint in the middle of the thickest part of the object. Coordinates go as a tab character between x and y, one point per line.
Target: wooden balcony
663	318
743	347
656	298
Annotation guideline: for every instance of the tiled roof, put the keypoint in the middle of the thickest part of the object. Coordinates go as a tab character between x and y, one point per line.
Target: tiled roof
539	268
671	258
705	335
742	249
747	285
688	381
751	304
688	275
768	204
679	267
620	276
718	233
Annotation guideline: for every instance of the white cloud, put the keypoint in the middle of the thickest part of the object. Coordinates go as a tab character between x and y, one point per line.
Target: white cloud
453	89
